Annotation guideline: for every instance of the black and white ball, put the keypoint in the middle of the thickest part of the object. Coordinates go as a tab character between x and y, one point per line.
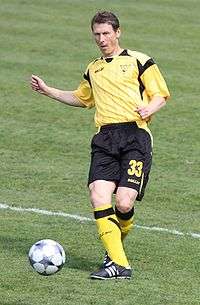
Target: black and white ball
47	257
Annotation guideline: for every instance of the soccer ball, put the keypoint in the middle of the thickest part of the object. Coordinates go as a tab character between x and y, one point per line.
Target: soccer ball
46	257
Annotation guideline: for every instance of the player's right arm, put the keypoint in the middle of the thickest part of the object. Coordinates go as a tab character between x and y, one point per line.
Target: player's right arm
66	97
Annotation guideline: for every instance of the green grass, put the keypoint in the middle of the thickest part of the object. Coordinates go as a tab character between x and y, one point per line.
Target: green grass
45	152
160	274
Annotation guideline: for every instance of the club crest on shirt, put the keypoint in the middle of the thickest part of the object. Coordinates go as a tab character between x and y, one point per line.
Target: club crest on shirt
124	68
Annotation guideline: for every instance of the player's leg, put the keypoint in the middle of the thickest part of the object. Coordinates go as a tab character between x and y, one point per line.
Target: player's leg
124	209
103	176
135	167
107	223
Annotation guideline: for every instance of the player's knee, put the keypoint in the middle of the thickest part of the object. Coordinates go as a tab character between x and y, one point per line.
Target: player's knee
124	203
123	206
97	197
94	195
101	193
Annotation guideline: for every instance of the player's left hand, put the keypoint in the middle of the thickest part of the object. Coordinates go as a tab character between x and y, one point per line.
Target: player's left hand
144	111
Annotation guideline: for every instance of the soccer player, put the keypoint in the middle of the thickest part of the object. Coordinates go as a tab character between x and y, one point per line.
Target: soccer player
126	88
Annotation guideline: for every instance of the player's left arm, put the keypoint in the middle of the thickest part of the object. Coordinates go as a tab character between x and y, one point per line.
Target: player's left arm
156	89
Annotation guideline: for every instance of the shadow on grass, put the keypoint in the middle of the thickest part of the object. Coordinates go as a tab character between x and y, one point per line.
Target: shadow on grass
21	246
82	263
15	244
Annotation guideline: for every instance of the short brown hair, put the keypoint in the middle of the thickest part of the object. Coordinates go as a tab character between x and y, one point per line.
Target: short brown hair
105	17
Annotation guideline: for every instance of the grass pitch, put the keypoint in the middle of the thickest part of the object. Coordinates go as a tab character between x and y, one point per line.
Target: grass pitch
44	148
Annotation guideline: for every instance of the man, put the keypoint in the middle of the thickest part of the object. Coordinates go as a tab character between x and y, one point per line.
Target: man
126	88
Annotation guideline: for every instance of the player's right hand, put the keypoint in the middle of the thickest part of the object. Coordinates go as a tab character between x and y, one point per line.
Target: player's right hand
37	84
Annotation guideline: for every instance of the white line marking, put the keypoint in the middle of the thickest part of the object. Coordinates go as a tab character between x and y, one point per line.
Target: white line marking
44	212
81	218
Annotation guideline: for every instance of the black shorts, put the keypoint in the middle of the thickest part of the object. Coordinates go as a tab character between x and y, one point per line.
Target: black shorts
122	153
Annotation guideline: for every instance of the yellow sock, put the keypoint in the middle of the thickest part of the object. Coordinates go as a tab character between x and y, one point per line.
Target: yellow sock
125	221
110	234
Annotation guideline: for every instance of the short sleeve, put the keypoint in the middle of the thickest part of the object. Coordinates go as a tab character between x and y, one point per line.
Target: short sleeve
84	91
154	82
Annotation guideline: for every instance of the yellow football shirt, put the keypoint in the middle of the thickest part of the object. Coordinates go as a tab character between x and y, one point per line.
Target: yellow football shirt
116	86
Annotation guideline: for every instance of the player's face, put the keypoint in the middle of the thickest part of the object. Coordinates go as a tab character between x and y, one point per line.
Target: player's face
106	38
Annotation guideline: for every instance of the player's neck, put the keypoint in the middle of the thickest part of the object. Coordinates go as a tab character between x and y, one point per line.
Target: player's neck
118	50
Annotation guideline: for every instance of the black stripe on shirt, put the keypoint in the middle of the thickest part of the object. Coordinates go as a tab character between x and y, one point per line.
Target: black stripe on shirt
144	67
87	77
124	53
141	69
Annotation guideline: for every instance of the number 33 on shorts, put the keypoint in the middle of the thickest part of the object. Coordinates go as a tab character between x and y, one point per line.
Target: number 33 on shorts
135	168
